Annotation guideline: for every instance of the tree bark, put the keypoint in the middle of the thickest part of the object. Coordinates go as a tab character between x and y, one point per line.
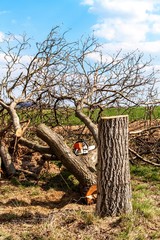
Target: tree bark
0	166
6	159
34	146
114	189
14	116
75	164
87	121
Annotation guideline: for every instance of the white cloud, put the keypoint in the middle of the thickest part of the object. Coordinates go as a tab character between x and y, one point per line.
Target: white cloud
149	49
127	24
87	2
127	8
2	36
118	30
156	27
125	20
137	16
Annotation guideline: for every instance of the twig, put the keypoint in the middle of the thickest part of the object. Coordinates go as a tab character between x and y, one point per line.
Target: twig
144	130
141	158
27	172
34	146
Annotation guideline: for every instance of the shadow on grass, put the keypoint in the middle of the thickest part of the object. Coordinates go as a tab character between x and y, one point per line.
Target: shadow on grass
69	197
64	181
65	187
60	203
27	217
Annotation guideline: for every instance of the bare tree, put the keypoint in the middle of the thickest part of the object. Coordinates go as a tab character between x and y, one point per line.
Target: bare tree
27	78
98	81
77	73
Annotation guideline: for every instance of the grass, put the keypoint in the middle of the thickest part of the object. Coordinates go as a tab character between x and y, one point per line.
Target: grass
47	211
144	207
67	116
146	173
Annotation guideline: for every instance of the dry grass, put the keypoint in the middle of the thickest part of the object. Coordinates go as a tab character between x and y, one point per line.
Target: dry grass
40	212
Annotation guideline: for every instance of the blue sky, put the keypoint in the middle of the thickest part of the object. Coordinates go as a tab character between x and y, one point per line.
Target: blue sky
37	17
120	24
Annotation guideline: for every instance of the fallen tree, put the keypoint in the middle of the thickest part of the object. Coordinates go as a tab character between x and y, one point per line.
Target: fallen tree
80	166
6	159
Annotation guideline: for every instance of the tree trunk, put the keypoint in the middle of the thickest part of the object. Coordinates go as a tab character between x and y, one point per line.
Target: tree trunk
75	164
34	146
6	159
87	121
0	166
114	189
14	116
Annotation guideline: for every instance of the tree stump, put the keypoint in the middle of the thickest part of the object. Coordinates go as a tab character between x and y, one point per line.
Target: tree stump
113	184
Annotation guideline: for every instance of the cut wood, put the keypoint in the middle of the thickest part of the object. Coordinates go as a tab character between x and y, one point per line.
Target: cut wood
0	166
78	165
6	159
34	146
19	132
113	184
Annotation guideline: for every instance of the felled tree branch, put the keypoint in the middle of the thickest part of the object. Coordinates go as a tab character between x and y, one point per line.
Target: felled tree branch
35	147
6	159
144	130
73	163
143	159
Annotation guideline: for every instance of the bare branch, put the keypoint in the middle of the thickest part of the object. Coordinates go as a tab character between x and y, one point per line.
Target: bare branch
143	159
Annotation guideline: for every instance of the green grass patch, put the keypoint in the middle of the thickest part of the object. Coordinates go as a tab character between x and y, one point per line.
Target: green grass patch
143	205
146	172
67	116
